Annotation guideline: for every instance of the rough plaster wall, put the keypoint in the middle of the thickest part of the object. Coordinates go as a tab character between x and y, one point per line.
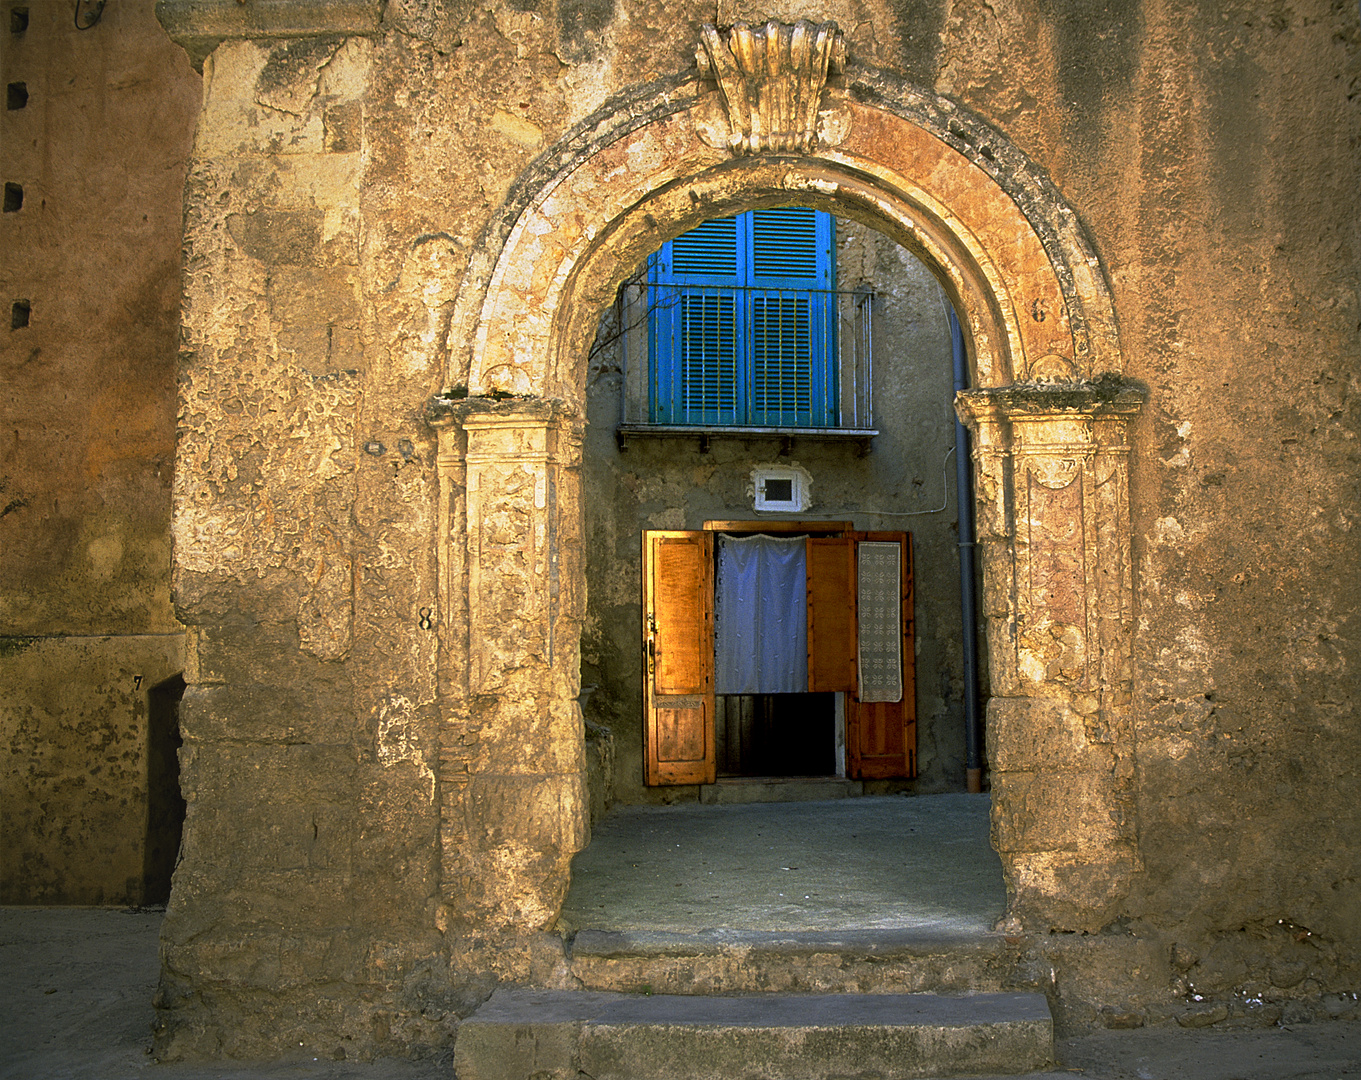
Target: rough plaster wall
73	793
1212	152
87	440
1212	155
670	484
1247	468
304	557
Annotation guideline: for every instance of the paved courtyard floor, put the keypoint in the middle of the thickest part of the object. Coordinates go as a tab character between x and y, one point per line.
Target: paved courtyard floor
886	863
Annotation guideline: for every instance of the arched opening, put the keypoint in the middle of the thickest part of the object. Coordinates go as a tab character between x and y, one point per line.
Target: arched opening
1048	463
881	460
776	847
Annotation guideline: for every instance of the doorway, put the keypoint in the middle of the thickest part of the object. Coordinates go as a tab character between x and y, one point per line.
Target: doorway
776	735
733	612
165	802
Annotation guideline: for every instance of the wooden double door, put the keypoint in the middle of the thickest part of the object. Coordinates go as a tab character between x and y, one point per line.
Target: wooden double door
678	651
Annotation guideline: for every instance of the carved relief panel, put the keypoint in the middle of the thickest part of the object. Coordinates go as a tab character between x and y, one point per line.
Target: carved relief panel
514	473
1052	492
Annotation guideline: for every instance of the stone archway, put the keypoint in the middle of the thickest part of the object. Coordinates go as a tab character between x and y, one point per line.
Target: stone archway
1049	417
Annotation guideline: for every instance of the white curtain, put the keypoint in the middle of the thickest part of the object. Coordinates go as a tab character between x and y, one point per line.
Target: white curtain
760	616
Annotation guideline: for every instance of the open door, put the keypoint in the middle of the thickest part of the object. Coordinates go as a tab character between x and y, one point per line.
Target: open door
860	643
881	712
831	613
678	657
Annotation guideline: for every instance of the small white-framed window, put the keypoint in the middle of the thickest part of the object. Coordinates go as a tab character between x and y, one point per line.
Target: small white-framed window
780	490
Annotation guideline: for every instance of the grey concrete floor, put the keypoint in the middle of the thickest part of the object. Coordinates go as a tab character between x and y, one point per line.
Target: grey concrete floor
922	863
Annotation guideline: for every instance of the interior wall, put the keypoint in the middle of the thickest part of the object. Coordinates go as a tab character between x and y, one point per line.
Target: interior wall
904	482
93	159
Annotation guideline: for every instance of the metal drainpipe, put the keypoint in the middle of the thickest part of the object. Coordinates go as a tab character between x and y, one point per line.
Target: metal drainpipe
973	728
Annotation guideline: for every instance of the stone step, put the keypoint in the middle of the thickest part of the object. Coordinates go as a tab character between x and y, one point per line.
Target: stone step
736	791
562	1035
930	959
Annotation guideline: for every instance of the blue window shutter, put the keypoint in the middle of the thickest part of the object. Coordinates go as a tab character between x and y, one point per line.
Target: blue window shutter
793	310
781	360
742	322
694	326
785	246
709	251
708	359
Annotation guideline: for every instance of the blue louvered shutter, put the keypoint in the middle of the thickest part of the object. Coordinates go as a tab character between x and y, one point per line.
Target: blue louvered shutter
694	326
793	376
742	322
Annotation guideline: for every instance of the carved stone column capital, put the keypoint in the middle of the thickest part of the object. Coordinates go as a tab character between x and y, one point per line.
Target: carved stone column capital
772	79
493	412
1059	404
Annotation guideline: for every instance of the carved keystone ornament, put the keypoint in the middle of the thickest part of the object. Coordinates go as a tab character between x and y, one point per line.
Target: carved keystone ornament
772	80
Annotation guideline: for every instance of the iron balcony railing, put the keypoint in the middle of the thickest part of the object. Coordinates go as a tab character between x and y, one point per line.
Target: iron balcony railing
743	358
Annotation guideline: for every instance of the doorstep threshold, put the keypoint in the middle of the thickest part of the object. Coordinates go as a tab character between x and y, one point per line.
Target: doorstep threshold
728	790
881	944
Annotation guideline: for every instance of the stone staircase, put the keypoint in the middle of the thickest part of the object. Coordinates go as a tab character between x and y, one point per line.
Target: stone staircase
746	1005
781	990
796	962
566	1035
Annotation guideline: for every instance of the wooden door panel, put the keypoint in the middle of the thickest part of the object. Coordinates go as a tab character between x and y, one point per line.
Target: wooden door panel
678	657
680	734
884	745
881	736
831	613
681	597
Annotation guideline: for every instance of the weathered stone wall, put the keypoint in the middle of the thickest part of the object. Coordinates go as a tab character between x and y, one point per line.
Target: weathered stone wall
1245	489
1210	151
384	757
94	144
304	521
904	482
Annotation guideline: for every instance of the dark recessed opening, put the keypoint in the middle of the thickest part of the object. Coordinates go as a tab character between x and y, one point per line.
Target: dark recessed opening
779	490
775	734
16	95
14	197
18	20
165	803
18	314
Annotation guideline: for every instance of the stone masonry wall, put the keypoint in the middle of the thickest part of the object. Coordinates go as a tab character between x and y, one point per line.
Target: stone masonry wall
382	808
94	144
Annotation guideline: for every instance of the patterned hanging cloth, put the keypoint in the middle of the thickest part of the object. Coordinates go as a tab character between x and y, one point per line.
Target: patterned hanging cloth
879	571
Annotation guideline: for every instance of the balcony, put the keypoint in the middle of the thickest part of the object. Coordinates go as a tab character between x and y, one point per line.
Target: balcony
742	362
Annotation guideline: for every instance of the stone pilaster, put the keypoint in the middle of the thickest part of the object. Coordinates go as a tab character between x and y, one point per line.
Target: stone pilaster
513	810
1054	528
